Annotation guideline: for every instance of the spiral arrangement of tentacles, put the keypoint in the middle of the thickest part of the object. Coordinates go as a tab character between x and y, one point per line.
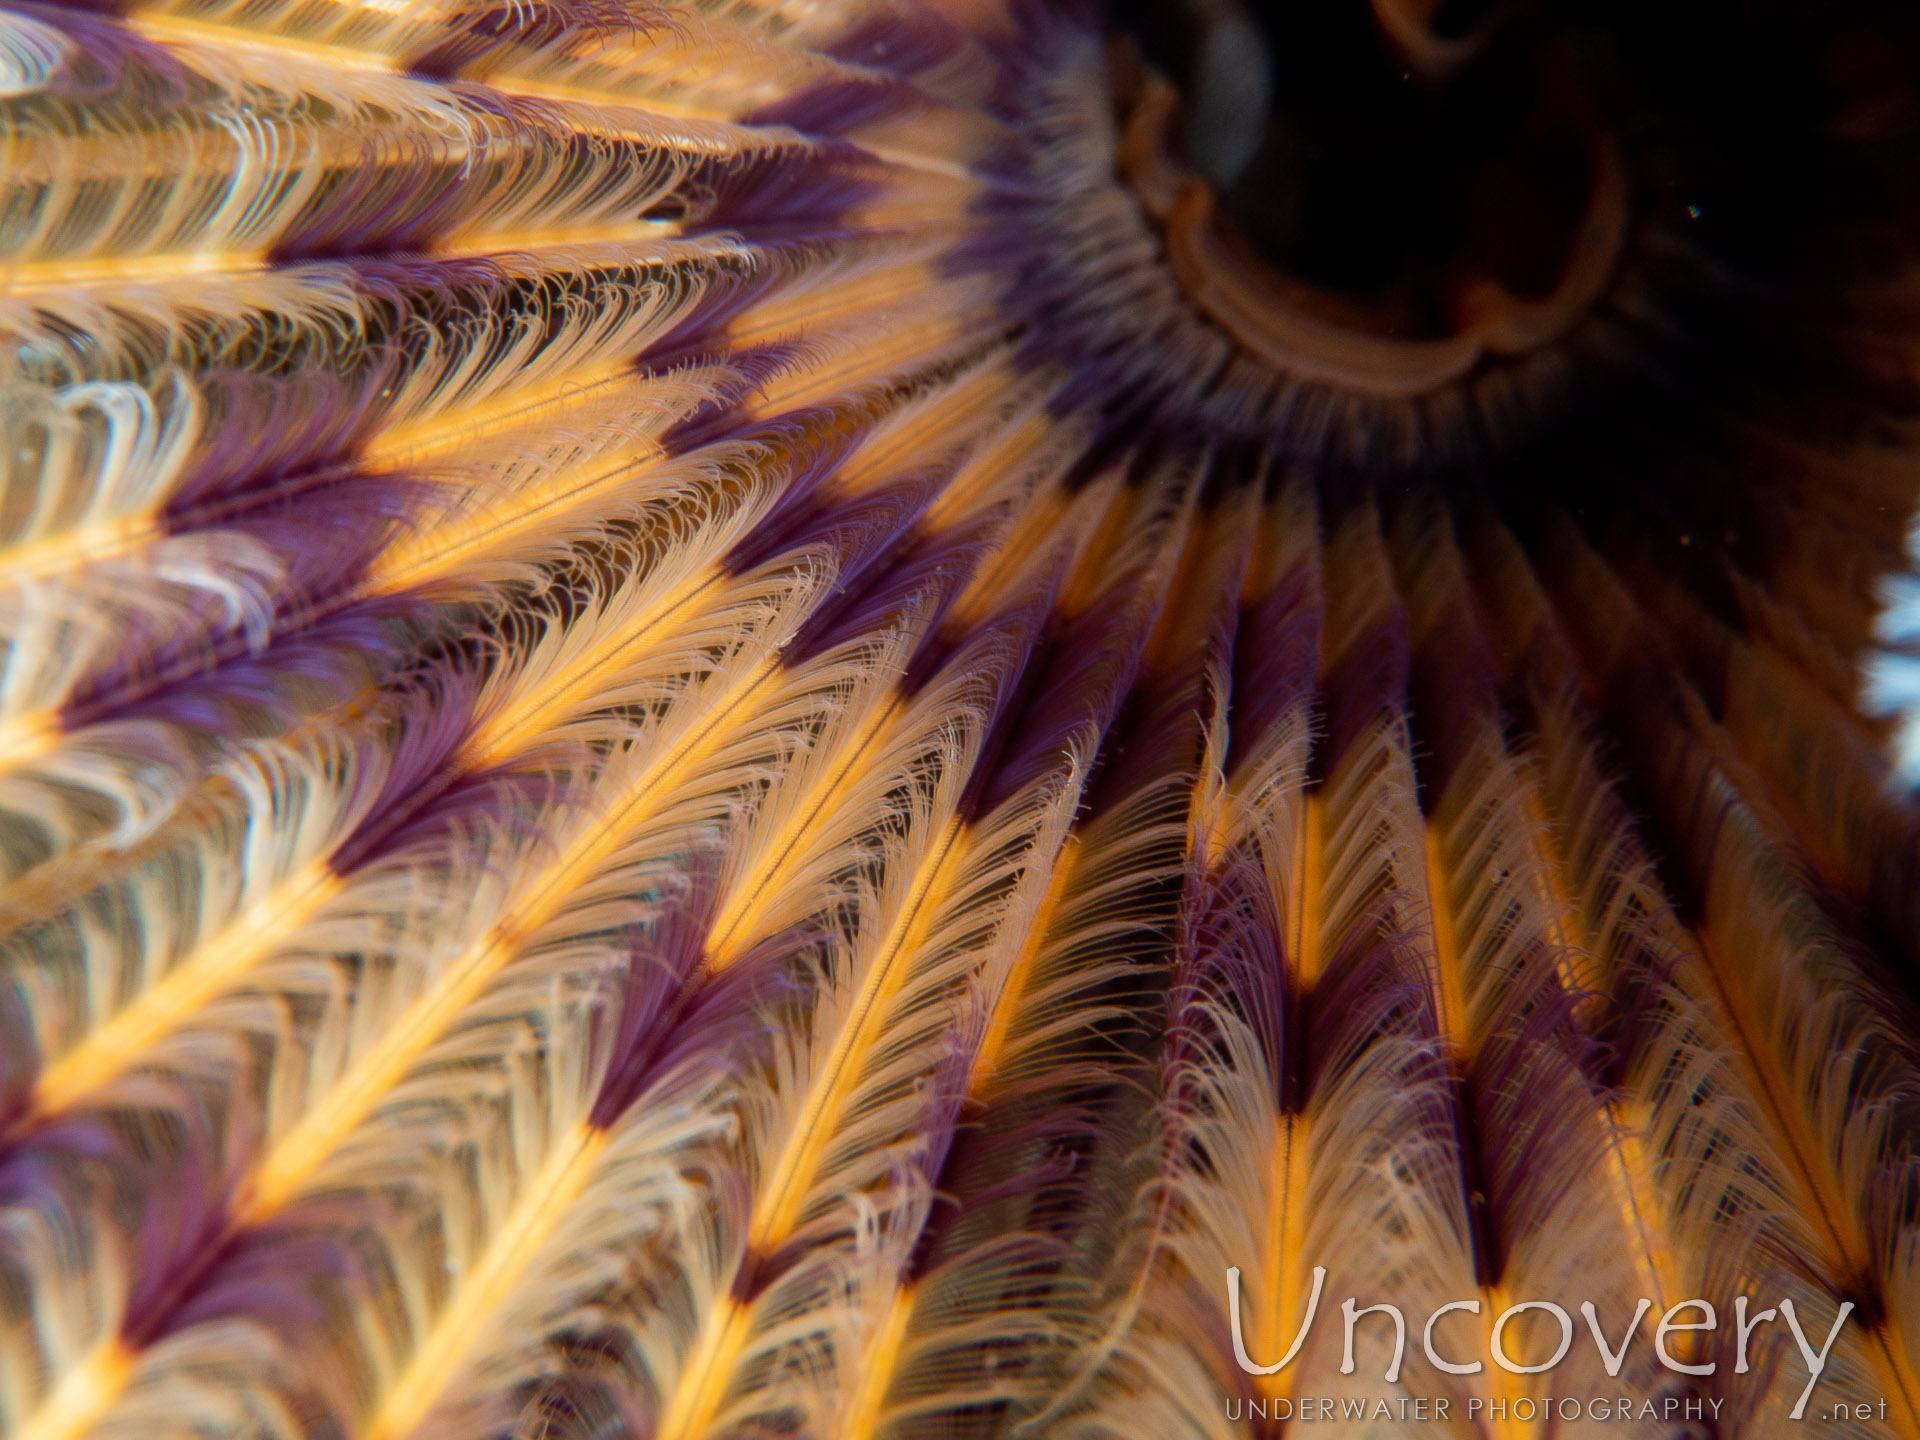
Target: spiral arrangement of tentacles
771	717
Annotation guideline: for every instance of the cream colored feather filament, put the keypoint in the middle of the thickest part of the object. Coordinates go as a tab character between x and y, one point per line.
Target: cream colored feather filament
1297	1183
663	291
454	169
517	709
47	761
1084	672
700	736
706	69
927	946
1787	1010
1578	1177
1175	739
1727	1191
542	696
295	1151
803	852
962	853
559	1171
525	511
1821	764
500	512
456	979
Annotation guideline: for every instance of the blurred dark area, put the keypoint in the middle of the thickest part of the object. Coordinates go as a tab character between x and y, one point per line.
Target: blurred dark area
1377	147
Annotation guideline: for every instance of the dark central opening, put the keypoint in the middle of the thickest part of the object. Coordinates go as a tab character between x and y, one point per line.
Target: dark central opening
1370	180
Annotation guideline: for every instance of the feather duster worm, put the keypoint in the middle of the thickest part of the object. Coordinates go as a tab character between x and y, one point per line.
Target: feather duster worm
957	717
